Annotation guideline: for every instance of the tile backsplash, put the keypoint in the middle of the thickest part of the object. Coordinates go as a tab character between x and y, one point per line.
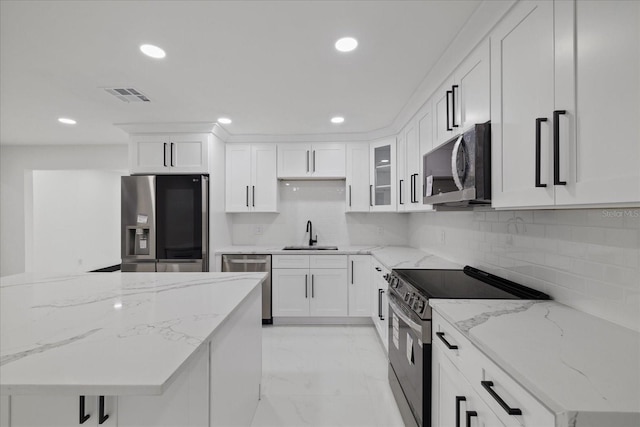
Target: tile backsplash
588	258
322	202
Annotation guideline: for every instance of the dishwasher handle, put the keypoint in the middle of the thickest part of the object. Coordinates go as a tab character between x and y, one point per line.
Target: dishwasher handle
246	261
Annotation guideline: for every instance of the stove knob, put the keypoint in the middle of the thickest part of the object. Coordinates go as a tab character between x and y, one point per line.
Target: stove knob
386	277
420	306
395	282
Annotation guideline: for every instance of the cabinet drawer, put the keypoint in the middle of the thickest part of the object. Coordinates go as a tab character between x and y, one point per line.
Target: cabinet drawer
290	261
456	347
494	384
328	261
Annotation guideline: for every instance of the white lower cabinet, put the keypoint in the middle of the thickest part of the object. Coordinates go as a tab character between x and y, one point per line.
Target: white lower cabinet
359	285
319	290
469	387
379	302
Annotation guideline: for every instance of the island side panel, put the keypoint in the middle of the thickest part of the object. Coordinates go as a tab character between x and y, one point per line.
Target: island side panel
236	364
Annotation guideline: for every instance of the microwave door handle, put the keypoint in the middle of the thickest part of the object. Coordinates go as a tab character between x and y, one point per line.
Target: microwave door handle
454	163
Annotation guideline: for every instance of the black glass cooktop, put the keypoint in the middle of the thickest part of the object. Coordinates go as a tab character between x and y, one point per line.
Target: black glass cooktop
469	283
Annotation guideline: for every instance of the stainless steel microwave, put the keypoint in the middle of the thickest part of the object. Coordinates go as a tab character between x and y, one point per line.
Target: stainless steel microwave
458	173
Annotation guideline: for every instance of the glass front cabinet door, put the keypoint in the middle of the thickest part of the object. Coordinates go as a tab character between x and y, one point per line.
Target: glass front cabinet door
382	191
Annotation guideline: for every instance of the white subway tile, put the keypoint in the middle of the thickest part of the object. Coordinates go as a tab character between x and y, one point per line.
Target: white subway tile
623	238
622	276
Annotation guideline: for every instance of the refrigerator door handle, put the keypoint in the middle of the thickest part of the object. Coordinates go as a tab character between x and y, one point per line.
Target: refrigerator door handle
205	222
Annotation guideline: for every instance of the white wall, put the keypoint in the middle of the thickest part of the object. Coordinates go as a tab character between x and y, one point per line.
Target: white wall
76	221
322	202
588	259
17	164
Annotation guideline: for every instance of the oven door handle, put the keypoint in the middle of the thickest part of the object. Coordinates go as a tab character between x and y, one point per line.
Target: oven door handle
398	311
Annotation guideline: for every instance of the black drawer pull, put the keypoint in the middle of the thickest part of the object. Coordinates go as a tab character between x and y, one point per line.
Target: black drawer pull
469	415
556	147
101	416
83	417
511	411
538	121
442	338
458	400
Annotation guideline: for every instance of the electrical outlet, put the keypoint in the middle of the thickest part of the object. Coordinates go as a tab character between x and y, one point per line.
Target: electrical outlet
442	237
258	230
380	231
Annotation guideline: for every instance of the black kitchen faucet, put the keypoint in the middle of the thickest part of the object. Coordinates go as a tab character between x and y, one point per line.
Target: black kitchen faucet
310	230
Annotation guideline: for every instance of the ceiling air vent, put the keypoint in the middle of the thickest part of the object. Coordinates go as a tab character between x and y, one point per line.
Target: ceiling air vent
127	94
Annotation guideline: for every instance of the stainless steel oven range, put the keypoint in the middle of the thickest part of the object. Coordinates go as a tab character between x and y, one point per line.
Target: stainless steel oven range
410	327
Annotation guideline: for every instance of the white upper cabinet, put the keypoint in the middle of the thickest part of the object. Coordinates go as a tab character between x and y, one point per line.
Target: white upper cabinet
382	188
464	98
297	160
357	182
424	124
169	153
565	109
472	89
522	91
251	184
401	172
598	85
443	112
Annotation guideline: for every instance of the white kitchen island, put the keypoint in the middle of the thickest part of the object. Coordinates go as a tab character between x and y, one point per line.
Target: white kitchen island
144	349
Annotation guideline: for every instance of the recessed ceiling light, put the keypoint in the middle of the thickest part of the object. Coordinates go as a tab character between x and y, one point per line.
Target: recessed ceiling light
224	120
152	51
67	121
337	120
346	44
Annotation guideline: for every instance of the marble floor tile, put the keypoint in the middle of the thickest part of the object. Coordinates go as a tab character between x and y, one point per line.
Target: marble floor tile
325	376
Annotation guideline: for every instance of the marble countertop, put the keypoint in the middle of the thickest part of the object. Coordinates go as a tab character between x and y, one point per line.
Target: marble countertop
390	256
109	333
574	363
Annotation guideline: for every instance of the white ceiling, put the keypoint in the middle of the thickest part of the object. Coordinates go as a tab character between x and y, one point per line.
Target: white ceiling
269	65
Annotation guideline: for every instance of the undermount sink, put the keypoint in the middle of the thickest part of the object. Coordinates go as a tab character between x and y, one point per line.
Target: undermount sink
310	248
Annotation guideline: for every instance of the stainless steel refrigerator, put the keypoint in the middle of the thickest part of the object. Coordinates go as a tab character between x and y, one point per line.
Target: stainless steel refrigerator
165	223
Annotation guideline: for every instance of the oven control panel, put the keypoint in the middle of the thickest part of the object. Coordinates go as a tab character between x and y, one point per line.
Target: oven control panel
412	299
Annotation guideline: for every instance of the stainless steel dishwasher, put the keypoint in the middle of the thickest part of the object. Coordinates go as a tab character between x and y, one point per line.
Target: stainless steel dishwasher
253	264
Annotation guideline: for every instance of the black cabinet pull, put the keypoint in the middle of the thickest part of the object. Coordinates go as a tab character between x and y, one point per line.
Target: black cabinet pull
538	121
306	286
458	400
453	106
307	160
83	417
447	95
469	415
400	191
370	197
414	187
380	304
509	410
312	287
247	198
556	147
381	308
349	195
314	160
101	416
172	150
253	195
164	154
443	339
352	272
378	269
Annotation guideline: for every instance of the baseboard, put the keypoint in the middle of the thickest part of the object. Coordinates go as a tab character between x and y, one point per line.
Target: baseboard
322	321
